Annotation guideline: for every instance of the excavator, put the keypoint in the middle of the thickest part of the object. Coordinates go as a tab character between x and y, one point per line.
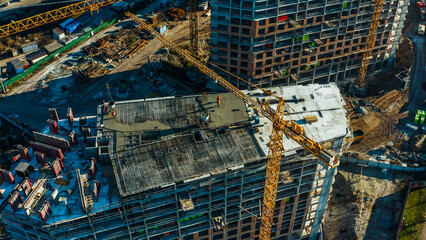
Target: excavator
282	124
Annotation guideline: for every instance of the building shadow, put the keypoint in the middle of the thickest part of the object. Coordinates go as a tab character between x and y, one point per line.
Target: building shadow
385	216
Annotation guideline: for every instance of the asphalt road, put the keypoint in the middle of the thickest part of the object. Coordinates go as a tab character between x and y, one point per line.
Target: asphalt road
418	75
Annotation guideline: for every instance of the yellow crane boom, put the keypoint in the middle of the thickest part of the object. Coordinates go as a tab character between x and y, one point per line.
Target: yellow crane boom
371	39
280	127
51	16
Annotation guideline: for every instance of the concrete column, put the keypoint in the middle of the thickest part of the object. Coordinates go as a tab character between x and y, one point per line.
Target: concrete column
322	204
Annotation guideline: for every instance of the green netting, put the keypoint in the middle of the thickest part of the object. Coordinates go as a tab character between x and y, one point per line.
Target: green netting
56	53
306	38
319	64
297	39
313	44
345	5
416	119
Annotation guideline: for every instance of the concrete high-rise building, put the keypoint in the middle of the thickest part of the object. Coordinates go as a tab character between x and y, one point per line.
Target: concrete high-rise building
287	42
174	168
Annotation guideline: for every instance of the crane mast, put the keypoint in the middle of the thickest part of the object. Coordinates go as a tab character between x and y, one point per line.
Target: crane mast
371	39
280	127
51	16
193	26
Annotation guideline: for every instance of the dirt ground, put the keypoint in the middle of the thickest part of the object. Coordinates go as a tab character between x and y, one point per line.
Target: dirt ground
178	33
374	192
378	127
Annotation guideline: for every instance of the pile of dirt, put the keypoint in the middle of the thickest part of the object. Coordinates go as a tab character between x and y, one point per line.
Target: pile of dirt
175	14
405	54
378	130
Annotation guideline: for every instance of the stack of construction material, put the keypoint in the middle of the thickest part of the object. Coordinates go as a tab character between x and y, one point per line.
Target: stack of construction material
386	102
51	47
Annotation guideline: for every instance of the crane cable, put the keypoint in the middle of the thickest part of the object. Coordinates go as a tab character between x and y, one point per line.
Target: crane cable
286	104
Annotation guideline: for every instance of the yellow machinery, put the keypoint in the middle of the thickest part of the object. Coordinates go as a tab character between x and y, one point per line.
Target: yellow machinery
280	126
371	38
51	16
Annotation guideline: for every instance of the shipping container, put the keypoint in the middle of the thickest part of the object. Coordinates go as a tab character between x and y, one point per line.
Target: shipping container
37	56
70	28
29	47
17	65
58	34
65	23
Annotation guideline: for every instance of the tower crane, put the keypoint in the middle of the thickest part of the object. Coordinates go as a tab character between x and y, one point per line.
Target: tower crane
371	39
281	126
51	16
193	26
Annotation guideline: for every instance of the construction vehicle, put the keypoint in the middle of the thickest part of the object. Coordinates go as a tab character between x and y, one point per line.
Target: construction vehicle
281	126
54	15
359	88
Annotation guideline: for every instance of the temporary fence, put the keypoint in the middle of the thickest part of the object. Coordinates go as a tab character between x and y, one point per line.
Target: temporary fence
57	52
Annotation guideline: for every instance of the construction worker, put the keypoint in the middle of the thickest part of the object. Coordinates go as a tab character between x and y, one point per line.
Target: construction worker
113	113
218	100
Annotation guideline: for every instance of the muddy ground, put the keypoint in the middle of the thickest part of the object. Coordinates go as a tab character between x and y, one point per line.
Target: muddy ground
375	192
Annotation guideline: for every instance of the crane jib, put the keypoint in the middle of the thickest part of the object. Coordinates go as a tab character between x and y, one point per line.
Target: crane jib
288	127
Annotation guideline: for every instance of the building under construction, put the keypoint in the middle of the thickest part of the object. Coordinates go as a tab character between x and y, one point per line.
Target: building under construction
190	167
281	42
